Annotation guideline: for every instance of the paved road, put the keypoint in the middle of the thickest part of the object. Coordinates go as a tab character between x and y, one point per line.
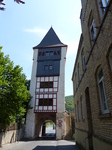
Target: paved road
41	145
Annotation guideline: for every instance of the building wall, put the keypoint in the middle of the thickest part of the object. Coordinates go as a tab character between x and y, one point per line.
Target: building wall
60	115
96	55
30	120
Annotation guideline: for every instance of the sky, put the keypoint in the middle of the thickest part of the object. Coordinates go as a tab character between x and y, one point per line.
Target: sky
23	26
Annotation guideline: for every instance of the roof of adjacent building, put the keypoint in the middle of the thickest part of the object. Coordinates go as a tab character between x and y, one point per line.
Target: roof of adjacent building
50	40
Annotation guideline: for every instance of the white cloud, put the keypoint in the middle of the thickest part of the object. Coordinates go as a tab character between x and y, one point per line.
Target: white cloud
72	47
36	30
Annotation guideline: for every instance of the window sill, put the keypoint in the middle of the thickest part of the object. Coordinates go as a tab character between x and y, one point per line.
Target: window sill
108	115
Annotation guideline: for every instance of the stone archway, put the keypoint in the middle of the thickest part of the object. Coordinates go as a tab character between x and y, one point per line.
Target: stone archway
40	120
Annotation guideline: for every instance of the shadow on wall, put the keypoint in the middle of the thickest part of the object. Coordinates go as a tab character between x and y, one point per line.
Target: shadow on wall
61	147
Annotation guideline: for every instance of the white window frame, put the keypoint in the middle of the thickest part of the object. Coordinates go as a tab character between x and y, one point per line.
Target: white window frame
110	59
92	28
102	3
82	108
102	89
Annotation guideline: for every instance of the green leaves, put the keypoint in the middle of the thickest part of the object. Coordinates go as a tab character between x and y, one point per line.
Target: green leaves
69	105
13	91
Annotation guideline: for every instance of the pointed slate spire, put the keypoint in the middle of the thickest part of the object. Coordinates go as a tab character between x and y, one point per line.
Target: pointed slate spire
50	40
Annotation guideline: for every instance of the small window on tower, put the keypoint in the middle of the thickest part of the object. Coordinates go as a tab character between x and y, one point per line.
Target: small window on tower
55	53
51	53
43	53
39	53
58	52
47	53
46	84
50	67
46	67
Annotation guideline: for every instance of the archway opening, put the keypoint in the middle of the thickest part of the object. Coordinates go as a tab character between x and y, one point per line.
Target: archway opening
49	129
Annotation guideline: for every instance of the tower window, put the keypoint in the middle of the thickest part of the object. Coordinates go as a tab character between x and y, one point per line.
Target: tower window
46	84
51	53
50	67
43	53
58	52
47	53
46	102
39	53
46	67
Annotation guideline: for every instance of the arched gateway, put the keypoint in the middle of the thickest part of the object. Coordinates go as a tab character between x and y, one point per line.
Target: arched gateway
47	86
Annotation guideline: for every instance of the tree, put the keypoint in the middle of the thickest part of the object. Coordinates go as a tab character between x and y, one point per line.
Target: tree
69	105
13	91
17	1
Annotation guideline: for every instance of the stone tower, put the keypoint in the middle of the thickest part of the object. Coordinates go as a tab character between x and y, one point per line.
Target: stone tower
47	86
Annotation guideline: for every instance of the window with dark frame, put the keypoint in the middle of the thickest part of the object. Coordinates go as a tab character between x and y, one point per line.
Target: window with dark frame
46	84
46	102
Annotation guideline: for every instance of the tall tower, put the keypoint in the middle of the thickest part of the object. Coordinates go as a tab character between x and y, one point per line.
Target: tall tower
47	86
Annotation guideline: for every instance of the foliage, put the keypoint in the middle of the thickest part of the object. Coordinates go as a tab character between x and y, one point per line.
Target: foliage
13	92
69	105
50	124
74	136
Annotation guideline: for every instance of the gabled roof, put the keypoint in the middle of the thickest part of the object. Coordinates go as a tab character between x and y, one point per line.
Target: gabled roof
50	40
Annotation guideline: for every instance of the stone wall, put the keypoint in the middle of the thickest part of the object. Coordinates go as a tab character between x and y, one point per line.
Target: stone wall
95	122
11	136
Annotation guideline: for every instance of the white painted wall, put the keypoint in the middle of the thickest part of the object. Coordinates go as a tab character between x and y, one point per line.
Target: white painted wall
30	120
60	131
61	90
